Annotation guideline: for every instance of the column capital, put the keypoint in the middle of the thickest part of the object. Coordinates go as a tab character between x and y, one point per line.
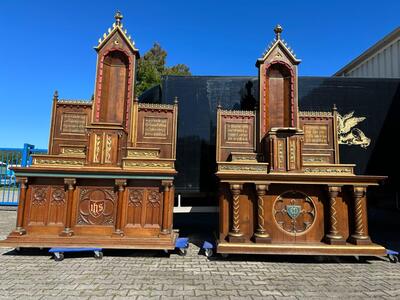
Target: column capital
23	181
70	183
359	191
334	190
236	187
121	184
262	188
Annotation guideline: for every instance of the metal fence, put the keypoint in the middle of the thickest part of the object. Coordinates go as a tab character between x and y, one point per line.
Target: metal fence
13	157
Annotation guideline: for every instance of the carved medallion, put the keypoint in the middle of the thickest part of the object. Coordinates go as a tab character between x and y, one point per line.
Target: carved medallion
135	198
294	212
58	196
39	196
96	206
154	198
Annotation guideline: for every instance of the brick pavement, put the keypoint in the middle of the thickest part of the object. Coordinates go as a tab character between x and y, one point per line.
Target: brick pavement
152	275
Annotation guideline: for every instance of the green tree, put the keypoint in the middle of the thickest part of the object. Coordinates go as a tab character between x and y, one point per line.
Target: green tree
152	66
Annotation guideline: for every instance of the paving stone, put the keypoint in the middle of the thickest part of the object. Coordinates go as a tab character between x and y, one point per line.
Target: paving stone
147	275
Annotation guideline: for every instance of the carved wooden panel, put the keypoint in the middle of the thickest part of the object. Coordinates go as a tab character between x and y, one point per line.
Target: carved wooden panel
104	147
47	205
136	207
144	207
235	133
153	207
156	128
39	203
69	119
319	137
57	207
97	206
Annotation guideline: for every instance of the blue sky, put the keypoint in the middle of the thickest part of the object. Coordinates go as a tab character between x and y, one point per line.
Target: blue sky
48	45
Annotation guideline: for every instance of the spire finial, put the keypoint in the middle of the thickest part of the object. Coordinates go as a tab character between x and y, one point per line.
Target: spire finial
55	96
278	30
118	17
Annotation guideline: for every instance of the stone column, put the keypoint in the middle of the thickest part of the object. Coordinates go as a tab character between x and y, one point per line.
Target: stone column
360	235
19	230
235	235
70	185
261	235
120	184
166	207
333	237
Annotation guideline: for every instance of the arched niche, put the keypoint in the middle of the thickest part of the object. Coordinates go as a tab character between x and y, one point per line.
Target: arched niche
114	87
279	95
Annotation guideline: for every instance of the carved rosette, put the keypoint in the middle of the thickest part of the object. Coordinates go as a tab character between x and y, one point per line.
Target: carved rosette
96	206
39	195
58	197
154	198
294	212
135	198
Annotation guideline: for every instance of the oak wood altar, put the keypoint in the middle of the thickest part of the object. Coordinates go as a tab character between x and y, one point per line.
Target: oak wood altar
107	180
282	188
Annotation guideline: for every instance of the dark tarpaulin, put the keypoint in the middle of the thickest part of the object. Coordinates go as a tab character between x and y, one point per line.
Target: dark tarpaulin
376	99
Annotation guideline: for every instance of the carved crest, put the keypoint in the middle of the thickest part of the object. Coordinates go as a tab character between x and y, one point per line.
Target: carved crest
348	134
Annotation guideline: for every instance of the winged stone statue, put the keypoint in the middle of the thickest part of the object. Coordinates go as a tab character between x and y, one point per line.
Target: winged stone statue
348	134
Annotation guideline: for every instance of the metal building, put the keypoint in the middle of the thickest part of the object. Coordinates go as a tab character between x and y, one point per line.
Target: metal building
382	60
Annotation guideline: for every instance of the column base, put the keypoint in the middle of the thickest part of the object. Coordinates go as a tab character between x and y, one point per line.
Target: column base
118	233
67	232
236	239
360	239
334	240
262	239
18	232
165	232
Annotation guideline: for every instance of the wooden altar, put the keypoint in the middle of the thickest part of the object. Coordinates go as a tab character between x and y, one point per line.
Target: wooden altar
107	180
282	187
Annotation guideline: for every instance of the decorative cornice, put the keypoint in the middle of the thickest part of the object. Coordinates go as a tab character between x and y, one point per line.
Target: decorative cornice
315	114
237	112
156	106
74	102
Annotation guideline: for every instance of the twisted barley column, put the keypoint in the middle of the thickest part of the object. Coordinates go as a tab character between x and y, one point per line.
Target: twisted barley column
235	190
261	191
359	224
333	193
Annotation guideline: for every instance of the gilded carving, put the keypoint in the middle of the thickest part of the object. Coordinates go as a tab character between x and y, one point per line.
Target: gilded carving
348	134
58	162
97	144
108	148
72	151
143	153
328	170
316	134
242	167
281	153
144	164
